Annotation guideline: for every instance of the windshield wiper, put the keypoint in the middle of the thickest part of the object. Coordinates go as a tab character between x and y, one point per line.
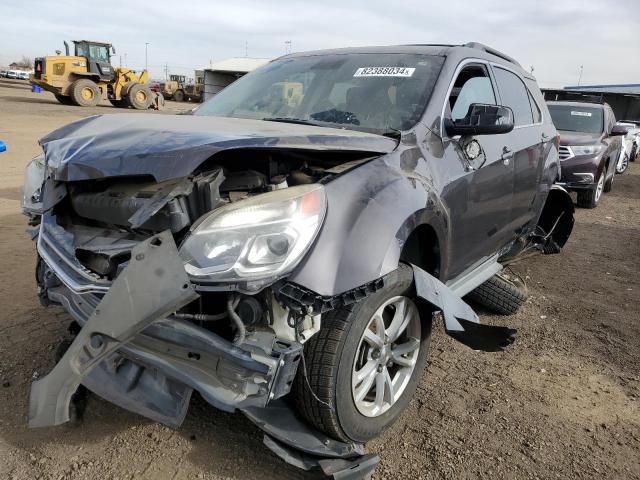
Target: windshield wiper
299	121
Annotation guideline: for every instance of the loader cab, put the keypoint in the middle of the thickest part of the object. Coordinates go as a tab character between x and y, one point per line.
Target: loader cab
98	58
178	78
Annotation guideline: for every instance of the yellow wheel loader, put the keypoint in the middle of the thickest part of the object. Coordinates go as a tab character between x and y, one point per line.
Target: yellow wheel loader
87	77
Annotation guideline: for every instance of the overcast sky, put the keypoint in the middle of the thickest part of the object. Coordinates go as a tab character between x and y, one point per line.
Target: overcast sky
556	37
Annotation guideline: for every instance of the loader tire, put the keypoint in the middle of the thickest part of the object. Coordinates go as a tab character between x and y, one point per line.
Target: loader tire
178	96
139	96
500	294
63	99
85	93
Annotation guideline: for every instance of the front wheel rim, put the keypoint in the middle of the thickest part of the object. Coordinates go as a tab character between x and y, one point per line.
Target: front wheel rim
386	356
600	186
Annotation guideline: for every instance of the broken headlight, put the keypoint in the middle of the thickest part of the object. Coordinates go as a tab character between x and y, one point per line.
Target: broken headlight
32	188
262	237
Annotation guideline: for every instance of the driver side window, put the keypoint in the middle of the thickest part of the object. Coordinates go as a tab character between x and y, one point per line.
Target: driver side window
473	85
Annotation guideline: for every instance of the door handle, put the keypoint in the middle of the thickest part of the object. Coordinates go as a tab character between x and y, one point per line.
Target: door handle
507	155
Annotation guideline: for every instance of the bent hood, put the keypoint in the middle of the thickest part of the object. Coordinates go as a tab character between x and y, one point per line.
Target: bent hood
173	146
579	138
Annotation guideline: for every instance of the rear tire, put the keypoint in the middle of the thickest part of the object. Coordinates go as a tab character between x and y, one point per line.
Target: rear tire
500	294
64	99
139	96
85	93
339	352
178	96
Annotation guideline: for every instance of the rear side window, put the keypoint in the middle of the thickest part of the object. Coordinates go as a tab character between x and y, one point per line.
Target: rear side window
514	95
537	114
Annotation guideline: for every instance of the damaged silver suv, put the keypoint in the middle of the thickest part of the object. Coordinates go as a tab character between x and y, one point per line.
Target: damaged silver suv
284	249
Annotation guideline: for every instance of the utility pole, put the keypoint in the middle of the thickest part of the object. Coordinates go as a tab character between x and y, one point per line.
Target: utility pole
146	58
246	48
166	71
287	47
580	76
121	60
125	59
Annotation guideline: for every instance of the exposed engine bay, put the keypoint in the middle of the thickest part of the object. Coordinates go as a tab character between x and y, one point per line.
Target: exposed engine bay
90	228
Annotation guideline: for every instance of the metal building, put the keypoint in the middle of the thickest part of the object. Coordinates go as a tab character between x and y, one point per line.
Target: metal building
220	74
624	99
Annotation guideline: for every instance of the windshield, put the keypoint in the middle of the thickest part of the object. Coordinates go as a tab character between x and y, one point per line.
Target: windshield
379	93
96	53
576	118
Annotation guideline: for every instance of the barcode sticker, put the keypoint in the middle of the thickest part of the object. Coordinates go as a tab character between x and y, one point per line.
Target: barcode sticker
581	114
384	72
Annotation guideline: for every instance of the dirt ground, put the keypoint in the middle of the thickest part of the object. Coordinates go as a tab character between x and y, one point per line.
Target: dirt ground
562	402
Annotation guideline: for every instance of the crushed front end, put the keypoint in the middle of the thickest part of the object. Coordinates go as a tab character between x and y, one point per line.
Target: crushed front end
236	344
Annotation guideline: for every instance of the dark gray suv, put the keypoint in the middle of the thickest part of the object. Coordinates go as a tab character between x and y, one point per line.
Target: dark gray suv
284	249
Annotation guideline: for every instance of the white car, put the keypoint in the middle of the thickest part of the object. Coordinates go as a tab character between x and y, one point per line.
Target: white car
12	74
630	146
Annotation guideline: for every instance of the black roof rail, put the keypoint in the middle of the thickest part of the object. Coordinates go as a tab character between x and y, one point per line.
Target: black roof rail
492	51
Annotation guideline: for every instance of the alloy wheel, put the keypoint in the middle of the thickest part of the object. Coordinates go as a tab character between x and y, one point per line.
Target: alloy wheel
386	356
600	186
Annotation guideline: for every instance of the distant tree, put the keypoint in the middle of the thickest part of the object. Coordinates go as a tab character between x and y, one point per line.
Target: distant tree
25	62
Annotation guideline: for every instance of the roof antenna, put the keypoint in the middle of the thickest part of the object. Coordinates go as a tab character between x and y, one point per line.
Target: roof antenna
246	48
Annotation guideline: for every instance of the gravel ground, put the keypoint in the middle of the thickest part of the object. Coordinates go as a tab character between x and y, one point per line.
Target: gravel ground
562	402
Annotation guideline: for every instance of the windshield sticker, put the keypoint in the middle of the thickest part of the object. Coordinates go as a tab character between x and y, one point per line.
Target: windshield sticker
384	72
581	114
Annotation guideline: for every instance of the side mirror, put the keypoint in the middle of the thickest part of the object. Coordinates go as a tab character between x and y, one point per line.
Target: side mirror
620	129
481	119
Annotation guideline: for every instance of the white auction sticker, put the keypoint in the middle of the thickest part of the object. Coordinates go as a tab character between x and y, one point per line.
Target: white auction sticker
384	72
581	114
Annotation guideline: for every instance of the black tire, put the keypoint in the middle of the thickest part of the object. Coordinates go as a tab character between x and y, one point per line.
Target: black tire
501	294
327	402
587	198
608	184
178	96
64	99
85	93
139	96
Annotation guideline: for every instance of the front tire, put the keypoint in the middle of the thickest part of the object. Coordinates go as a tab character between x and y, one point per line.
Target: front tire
178	96
591	197
360	378
139	96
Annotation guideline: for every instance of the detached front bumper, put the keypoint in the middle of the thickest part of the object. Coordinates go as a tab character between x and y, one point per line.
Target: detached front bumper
154	366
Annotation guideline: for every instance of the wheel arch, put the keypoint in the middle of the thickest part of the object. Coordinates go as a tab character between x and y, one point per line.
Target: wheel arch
371	213
422	248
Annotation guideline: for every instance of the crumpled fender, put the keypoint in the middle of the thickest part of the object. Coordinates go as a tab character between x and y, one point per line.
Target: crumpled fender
460	321
153	285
